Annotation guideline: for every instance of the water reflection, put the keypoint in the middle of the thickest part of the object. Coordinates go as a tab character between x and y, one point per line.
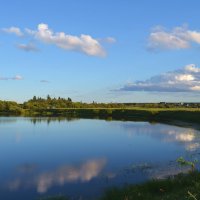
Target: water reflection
134	152
5	120
49	120
27	168
187	137
35	120
167	171
58	177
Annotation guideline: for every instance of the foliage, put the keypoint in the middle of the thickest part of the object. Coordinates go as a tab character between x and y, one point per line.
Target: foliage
184	162
154	112
10	107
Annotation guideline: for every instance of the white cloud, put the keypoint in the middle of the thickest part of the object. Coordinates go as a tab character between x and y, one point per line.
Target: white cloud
177	38
13	30
186	79
195	88
194	36
16	78
110	40
162	40
27	47
84	43
192	68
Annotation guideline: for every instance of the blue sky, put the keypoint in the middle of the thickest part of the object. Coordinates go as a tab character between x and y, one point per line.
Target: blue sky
106	51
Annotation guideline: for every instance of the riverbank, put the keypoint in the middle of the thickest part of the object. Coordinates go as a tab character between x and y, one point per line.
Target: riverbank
179	187
187	117
62	107
167	115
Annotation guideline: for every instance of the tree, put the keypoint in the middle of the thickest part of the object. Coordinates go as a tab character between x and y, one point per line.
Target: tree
69	99
34	98
48	97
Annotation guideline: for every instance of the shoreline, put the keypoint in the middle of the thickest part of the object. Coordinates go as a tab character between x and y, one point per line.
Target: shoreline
176	116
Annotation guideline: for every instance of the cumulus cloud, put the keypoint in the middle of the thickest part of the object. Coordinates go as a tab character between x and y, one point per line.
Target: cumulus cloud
27	47
186	79
17	78
177	38
13	30
83	43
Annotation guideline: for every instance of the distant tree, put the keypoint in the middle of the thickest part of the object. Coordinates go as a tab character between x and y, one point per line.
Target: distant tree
48	97
34	98
69	99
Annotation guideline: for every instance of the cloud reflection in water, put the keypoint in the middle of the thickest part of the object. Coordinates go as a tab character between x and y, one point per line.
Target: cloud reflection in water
185	136
62	175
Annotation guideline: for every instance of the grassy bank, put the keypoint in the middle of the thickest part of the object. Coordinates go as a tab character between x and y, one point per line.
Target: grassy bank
180	187
177	188
65	107
166	115
188	115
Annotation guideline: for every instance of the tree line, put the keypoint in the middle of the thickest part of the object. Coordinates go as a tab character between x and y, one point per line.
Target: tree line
37	103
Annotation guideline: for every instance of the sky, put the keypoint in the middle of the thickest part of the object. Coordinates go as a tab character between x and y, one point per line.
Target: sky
100	50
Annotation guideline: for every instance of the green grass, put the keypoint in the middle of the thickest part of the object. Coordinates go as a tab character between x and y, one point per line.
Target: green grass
176	188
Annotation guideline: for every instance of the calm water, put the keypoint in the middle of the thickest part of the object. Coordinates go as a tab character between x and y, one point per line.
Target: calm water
81	158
